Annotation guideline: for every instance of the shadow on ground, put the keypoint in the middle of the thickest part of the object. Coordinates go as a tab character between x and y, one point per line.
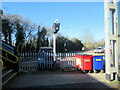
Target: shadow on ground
54	79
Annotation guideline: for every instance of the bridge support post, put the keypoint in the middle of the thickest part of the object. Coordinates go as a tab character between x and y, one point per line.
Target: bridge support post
111	40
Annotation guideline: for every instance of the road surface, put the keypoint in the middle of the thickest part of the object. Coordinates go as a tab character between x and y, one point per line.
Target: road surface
59	79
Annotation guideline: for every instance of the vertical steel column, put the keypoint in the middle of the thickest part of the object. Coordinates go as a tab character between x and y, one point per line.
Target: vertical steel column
111	70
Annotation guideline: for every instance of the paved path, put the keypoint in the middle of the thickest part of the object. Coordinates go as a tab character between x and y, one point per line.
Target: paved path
58	79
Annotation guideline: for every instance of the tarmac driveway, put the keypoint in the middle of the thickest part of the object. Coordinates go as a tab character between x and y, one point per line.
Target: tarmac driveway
55	79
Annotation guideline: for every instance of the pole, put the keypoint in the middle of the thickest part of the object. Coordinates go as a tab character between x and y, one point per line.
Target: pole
55	28
107	42
111	70
54	46
54	51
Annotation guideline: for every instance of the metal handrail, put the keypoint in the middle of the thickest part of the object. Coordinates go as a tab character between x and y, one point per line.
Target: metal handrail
1	62
9	59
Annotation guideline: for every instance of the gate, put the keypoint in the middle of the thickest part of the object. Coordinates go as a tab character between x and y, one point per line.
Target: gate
33	61
66	60
28	61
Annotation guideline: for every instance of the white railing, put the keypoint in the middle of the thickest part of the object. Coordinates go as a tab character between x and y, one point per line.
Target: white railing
36	61
28	61
66	60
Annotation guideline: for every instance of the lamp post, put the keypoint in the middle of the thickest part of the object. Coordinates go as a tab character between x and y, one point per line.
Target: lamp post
56	27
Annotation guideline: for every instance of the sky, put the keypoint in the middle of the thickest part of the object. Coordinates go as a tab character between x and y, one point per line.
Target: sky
76	18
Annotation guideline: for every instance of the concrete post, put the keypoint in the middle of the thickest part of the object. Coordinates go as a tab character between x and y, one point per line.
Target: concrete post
115	22
111	70
107	40
119	37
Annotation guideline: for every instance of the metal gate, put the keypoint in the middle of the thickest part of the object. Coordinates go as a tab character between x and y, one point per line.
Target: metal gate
37	61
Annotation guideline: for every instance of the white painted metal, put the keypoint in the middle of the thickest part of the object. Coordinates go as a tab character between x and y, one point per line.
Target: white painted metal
54	46
107	40
116	41
108	6
29	61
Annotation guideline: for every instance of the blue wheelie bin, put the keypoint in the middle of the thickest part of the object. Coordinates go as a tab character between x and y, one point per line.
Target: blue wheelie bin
98	62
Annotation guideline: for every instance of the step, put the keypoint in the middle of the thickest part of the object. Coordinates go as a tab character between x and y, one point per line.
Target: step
4	68
5	72
8	77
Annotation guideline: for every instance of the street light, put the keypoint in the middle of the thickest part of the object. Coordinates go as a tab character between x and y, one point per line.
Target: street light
56	27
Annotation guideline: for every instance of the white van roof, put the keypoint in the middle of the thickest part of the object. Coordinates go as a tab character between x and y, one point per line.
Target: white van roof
46	48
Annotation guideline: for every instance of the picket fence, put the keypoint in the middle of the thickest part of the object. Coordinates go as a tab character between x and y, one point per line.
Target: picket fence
38	61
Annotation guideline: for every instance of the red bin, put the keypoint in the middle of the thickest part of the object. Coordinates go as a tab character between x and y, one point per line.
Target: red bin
84	62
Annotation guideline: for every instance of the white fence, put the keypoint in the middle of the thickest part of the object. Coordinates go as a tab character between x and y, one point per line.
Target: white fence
66	60
37	61
28	61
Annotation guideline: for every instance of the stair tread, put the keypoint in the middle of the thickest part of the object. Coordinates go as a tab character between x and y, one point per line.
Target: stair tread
8	77
4	68
6	71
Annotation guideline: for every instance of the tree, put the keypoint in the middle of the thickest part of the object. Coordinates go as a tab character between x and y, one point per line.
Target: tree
19	27
20	37
100	43
39	39
63	44
42	39
43	36
88	40
77	45
8	26
7	30
60	44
